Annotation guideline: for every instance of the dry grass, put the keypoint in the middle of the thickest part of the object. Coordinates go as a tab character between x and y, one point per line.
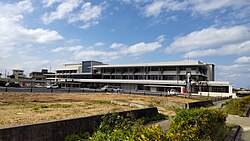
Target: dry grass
17	109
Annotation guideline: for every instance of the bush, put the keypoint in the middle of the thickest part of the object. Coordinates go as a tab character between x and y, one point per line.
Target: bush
198	124
188	125
237	106
121	128
78	137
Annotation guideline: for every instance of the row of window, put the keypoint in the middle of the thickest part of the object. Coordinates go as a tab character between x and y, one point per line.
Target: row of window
152	69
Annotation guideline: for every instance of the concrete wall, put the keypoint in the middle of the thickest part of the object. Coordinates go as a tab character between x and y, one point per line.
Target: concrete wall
213	94
172	104
205	103
58	130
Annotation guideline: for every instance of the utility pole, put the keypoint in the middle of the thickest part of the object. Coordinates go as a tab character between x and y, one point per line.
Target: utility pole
188	81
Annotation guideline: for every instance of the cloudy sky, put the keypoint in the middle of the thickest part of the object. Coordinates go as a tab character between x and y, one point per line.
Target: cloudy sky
36	34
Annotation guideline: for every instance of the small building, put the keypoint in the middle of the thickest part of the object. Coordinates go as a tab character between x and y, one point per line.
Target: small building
18	74
39	78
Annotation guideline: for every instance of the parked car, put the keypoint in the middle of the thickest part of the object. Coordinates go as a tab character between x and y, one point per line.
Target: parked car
173	92
117	89
52	86
2	83
107	88
12	84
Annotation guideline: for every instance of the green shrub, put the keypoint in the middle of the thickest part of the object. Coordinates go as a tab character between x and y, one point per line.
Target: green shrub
119	128
237	106
188	125
78	137
198	124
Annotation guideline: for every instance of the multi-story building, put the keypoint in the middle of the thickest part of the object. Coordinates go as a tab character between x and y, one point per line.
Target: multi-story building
39	75
18	74
70	72
162	76
39	78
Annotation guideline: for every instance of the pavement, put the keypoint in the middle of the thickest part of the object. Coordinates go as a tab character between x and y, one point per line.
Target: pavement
163	123
244	122
218	104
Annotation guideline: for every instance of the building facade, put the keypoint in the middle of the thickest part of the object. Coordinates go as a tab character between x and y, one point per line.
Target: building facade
155	77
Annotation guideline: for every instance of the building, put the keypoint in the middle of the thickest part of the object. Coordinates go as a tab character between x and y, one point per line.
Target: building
39	78
155	77
18	74
70	72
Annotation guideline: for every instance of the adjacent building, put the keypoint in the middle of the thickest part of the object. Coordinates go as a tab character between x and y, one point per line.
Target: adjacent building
39	78
155	77
17	74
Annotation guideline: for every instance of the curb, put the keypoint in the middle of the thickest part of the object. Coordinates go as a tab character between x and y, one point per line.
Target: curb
234	134
247	112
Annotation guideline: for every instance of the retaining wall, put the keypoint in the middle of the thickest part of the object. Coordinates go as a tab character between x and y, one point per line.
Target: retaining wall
172	103
58	130
204	103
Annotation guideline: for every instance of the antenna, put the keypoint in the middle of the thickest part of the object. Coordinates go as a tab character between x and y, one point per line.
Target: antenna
49	68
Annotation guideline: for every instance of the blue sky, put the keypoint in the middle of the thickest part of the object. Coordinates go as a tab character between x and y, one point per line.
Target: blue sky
39	34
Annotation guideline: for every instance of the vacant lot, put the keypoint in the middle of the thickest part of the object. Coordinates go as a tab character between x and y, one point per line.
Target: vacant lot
17	109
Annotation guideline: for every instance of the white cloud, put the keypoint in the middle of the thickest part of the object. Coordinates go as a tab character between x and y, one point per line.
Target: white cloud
17	40
242	60
99	44
209	38
155	8
120	50
87	13
48	3
239	48
237	74
117	46
207	6
69	48
13	33
161	38
142	47
158	6
62	11
89	24
74	11
97	54
15	10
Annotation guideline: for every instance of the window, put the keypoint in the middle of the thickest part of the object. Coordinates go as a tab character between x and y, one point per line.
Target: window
154	68
223	89
169	68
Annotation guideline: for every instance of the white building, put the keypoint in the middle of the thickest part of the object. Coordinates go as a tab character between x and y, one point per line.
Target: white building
155	77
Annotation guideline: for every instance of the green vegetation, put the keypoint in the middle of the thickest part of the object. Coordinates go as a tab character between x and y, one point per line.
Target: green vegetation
194	124
102	102
51	106
198	124
237	106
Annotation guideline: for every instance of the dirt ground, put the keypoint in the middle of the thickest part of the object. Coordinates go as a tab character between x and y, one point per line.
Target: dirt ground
18	109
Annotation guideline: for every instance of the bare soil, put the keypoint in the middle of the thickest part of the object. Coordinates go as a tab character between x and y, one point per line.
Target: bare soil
22	108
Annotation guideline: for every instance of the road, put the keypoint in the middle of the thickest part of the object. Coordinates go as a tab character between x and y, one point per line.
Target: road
45	90
74	90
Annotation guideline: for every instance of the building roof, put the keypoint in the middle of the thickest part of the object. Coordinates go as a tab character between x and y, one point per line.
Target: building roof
178	63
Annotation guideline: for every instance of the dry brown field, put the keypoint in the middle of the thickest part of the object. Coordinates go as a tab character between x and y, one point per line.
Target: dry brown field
24	108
